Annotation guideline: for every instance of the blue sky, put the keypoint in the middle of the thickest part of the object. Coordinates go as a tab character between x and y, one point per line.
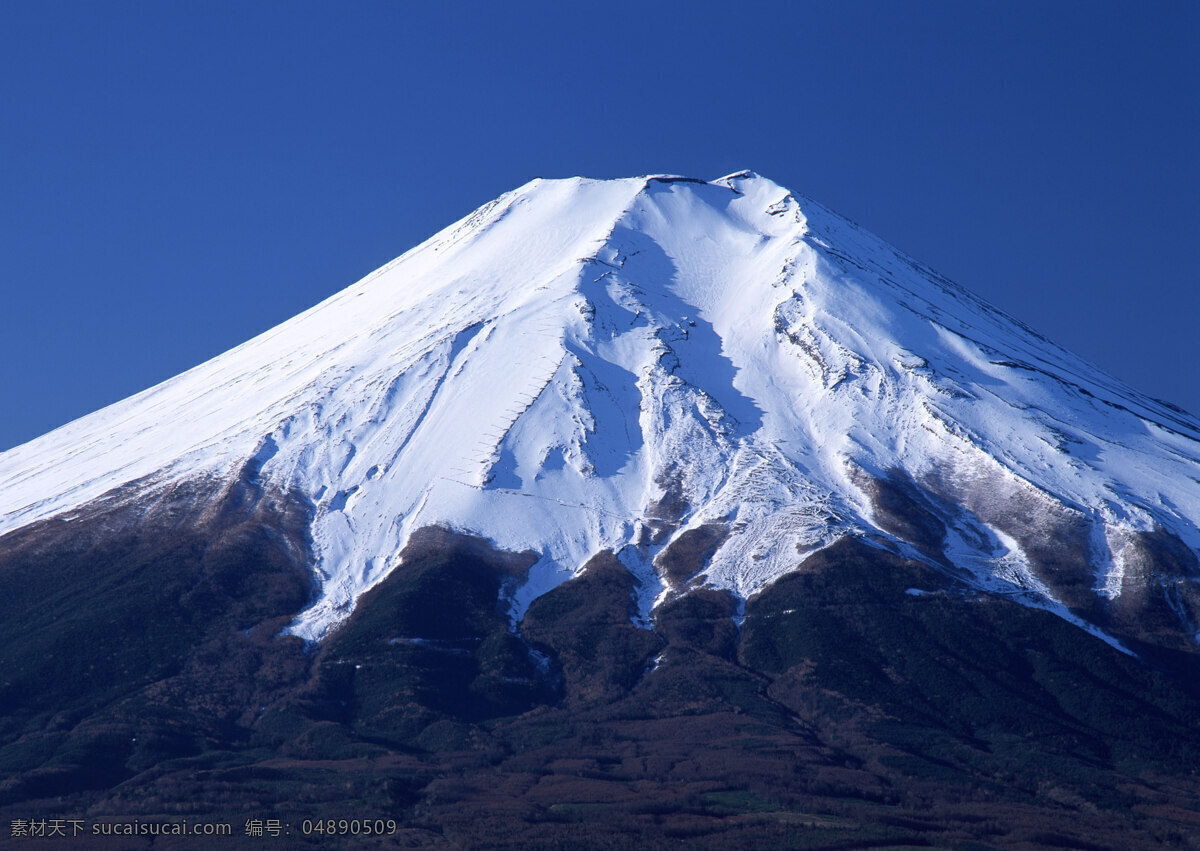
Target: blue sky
177	177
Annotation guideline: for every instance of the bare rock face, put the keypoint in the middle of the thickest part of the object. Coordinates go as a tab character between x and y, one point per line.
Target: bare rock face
1159	603
1053	551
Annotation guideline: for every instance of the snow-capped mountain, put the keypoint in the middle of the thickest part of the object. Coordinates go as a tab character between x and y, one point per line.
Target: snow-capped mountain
653	364
620	512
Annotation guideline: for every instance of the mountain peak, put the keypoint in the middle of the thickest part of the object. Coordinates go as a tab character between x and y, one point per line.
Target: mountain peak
646	365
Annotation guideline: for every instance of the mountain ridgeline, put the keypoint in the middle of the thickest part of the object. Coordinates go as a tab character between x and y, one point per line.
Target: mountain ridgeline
619	512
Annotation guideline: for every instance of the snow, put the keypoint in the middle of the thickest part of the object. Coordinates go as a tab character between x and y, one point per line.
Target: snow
581	362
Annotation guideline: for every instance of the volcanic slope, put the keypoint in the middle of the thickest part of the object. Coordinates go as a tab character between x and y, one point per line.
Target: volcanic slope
586	366
636	510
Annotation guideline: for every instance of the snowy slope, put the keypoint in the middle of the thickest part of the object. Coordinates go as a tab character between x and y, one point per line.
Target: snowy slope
585	365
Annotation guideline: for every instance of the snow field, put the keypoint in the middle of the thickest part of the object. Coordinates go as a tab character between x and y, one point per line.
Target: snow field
581	363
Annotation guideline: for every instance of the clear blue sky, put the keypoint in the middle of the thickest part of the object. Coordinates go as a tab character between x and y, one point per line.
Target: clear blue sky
177	177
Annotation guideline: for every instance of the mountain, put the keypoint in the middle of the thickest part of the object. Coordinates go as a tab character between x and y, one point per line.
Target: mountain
680	509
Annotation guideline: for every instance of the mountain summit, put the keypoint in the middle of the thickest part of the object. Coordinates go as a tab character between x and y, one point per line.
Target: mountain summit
618	513
636	366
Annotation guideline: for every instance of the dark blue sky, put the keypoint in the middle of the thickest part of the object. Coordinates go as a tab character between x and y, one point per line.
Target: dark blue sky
177	177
